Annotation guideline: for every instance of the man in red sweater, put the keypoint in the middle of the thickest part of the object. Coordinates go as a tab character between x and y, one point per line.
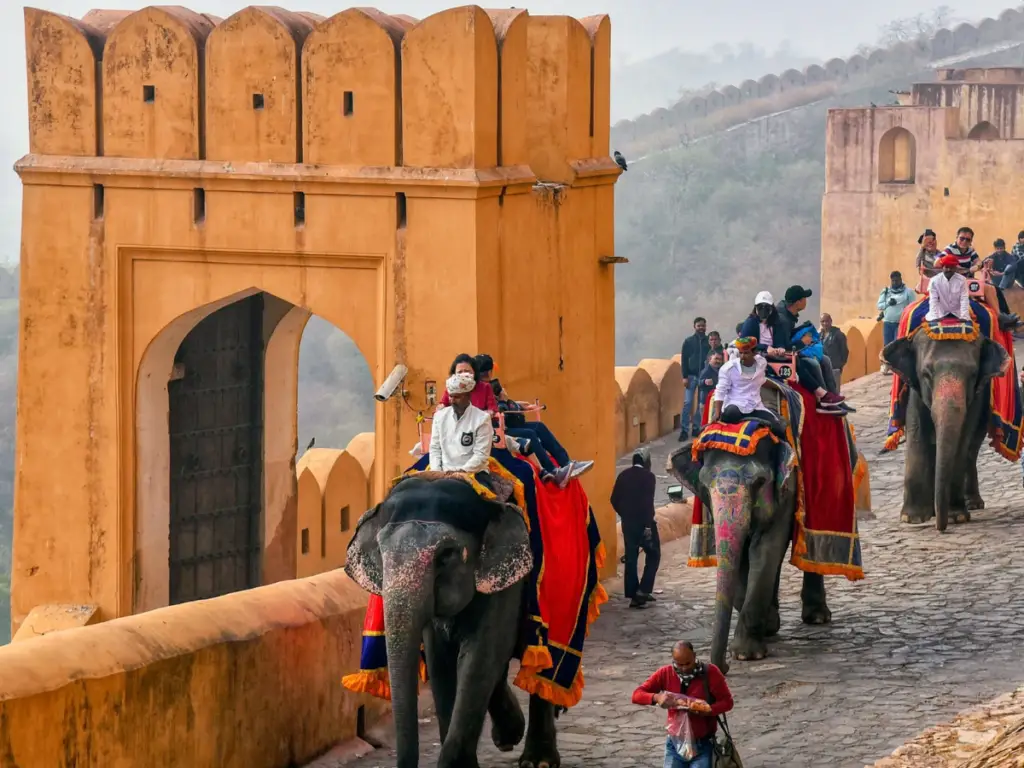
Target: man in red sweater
686	676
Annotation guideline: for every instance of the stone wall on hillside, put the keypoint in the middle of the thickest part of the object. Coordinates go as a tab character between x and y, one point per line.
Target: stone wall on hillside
772	93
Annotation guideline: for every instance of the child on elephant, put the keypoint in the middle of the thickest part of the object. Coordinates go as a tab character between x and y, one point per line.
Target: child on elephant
737	395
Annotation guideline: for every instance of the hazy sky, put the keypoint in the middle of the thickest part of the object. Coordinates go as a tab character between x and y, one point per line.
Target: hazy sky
640	28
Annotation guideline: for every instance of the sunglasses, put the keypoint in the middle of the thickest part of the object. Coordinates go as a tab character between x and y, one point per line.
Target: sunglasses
965	239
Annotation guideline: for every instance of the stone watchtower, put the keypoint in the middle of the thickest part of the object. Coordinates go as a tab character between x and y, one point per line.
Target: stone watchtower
947	155
196	188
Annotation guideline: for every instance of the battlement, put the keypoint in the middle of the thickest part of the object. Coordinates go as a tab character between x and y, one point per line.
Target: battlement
462	89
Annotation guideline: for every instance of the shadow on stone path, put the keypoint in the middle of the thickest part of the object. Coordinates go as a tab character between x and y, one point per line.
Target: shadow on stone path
934	628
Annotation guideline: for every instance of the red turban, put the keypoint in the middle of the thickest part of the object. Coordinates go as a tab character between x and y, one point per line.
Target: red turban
949	260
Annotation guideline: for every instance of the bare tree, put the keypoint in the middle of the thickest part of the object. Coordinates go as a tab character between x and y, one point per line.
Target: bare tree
923	26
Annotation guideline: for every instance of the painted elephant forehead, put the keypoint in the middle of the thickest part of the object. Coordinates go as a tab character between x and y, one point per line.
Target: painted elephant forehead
452	502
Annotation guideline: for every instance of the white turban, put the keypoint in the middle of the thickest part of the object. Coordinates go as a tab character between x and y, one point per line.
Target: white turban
461	384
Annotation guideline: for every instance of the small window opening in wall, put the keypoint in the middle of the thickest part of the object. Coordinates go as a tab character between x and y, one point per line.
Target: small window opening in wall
643	432
97	201
300	209
257	101
345	518
945	191
199	205
348	104
305	541
149	93
401	210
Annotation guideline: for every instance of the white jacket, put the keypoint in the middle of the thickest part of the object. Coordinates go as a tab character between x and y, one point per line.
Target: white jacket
740	389
461	444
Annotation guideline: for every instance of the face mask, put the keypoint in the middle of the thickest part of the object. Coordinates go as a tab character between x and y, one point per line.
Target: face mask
763	311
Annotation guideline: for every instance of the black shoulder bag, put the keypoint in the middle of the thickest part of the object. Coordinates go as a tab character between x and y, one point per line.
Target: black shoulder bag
726	754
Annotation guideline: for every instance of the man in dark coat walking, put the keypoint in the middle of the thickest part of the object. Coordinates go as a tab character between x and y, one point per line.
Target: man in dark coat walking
633	502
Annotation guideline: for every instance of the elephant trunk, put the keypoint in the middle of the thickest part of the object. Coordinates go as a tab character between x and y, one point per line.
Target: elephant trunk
408	595
732	512
949	411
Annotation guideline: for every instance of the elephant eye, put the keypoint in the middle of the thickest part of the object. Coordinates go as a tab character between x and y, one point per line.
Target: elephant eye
447	557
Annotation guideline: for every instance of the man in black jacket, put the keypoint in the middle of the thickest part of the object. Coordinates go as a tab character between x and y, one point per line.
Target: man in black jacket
833	342
694	358
633	502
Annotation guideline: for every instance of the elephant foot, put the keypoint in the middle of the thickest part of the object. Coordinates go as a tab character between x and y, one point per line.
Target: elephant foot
774	622
914	516
508	726
816	614
975	502
748	649
540	756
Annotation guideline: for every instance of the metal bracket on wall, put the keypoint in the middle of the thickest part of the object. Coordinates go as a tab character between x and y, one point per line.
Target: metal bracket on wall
612	260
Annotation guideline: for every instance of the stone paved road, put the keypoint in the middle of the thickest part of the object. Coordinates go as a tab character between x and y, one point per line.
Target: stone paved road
934	628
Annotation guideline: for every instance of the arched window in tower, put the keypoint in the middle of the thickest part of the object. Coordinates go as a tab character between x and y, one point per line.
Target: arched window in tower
984	131
897	157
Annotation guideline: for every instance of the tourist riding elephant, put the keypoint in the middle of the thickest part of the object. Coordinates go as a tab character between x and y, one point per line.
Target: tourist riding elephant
947	419
450	567
753	502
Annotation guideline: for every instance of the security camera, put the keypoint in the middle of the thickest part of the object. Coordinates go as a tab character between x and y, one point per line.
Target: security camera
392	384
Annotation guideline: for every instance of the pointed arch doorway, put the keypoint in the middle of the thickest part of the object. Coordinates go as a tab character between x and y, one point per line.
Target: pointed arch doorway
215	420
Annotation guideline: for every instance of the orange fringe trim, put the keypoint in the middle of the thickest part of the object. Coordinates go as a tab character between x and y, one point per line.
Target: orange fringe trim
376	682
828	569
536	658
892	442
549	691
702	562
748	450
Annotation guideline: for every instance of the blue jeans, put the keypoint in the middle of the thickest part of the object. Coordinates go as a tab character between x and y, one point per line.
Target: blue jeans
704	759
690	402
545	441
889	331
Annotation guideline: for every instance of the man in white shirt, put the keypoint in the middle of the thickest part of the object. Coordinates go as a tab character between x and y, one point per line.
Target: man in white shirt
738	393
461	434
947	292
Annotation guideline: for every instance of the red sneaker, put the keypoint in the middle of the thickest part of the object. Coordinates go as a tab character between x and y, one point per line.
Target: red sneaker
831	399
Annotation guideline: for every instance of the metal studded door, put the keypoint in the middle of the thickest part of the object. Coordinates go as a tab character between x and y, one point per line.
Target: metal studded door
216	432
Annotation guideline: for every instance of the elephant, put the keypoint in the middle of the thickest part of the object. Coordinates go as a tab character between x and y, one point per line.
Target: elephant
947	418
753	503
451	569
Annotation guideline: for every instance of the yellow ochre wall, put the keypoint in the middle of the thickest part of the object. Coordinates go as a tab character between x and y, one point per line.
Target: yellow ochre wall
425	235
870	227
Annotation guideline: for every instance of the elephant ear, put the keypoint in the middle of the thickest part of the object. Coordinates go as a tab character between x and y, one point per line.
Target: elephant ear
363	562
785	466
686	470
902	358
505	554
993	362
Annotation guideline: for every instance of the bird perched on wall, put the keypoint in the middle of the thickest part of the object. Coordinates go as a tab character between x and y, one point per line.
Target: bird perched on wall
620	160
312	440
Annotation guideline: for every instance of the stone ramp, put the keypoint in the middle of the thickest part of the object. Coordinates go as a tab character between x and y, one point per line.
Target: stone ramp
929	633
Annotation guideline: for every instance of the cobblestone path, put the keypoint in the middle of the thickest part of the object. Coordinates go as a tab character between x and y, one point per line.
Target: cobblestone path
934	628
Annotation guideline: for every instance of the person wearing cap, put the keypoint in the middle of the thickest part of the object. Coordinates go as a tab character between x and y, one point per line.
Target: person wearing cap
947	292
893	299
763	321
461	434
633	502
815	375
737	395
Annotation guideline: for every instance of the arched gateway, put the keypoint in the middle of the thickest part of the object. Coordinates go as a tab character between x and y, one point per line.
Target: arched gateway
197	188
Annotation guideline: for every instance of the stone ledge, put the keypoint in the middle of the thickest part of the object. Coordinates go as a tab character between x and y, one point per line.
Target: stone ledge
674	522
947	745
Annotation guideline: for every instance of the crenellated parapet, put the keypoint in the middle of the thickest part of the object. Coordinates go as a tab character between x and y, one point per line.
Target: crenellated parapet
462	89
753	98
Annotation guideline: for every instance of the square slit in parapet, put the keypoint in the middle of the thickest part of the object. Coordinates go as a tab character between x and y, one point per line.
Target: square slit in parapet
348	104
149	93
257	101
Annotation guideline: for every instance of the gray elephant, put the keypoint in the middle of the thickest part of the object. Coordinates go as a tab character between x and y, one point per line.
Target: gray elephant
947	418
451	570
752	500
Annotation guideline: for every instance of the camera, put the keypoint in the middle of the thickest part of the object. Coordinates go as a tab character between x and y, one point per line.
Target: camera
392	384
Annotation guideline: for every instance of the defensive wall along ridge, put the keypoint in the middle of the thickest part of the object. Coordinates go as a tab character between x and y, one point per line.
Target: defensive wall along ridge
734	104
196	188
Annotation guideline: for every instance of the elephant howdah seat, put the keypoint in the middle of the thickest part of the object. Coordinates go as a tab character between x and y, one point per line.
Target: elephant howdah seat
1002	402
821	452
562	593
